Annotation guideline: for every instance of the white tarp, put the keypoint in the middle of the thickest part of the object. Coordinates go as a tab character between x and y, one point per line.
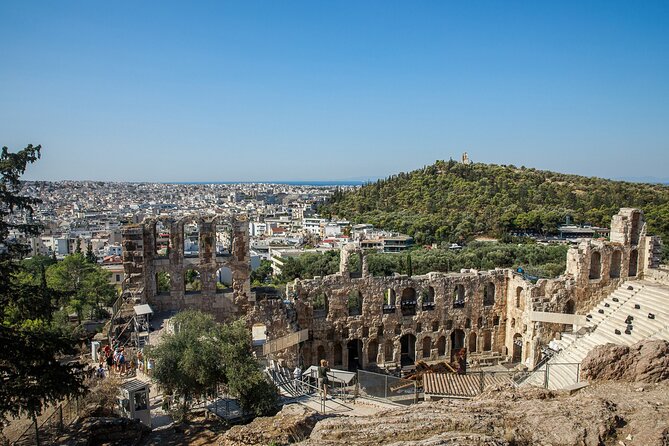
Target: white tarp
340	376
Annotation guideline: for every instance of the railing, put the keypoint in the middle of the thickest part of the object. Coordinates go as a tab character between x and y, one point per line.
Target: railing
387	388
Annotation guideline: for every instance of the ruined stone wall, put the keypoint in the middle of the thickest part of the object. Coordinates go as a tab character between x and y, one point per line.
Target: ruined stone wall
379	321
422	312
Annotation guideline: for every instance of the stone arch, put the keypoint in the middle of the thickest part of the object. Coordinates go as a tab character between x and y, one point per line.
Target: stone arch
595	265
634	263
489	294
427	347
459	296
223	235
517	348
388	351
457	340
408	301
614	267
389	298
427	298
320	304
354	303
162	230
487	340
258	333
354	349
163	283
372	351
519	293
441	346
320	353
189	229
192	280
408	349
472	342
570	307
338	356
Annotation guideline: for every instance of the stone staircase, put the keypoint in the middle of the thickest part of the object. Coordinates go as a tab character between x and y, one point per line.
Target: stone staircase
637	310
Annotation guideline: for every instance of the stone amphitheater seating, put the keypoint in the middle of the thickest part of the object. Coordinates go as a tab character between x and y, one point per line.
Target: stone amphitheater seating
609	326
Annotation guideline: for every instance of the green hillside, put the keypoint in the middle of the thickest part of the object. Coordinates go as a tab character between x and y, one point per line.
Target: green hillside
452	202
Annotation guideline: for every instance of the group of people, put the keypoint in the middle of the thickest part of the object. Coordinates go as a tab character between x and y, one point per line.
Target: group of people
112	360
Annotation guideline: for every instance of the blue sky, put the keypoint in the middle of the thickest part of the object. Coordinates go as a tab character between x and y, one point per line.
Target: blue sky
250	90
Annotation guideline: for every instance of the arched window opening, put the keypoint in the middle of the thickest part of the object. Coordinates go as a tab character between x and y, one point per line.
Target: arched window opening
320	305
163	283
472	342
495	321
441	346
459	296
595	265
224	237
517	348
479	322
427	347
457	341
389	351
449	325
614	267
372	351
634	262
489	294
519	292
408	302
487	340
435	325
191	239
427	296
389	300
338	357
354	303
163	239
320	353
468	323
192	281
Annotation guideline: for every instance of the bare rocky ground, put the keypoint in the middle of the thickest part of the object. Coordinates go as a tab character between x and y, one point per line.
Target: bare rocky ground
631	410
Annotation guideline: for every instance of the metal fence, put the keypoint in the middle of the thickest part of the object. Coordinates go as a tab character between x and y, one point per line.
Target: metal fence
451	385
387	388
47	431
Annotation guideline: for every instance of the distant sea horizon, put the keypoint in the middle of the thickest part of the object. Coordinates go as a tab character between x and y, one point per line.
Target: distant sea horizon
289	182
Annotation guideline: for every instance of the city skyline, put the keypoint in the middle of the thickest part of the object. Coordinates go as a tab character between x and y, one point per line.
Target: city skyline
238	91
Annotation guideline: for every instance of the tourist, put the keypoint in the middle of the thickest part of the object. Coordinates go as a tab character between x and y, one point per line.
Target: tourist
323	371
297	376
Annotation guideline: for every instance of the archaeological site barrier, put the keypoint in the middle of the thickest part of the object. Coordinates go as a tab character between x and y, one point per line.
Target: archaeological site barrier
48	430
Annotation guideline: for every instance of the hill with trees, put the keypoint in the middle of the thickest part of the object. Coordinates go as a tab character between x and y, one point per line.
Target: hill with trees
454	202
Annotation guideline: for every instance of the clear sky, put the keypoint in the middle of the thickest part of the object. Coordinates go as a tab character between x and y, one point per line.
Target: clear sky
279	90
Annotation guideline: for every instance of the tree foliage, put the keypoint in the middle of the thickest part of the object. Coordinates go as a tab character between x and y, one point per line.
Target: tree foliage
32	369
202	354
453	202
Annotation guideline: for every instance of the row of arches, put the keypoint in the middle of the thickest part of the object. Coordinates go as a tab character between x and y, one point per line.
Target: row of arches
410	349
615	264
191	279
408	300
193	235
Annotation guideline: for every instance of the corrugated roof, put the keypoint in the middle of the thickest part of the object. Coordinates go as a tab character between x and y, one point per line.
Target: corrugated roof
466	386
133	385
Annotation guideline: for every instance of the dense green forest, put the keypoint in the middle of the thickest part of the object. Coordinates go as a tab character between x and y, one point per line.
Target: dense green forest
537	260
452	202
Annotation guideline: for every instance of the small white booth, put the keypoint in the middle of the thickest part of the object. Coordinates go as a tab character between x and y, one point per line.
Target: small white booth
134	401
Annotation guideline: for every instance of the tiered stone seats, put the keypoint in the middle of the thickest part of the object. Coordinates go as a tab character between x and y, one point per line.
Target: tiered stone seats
623	320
